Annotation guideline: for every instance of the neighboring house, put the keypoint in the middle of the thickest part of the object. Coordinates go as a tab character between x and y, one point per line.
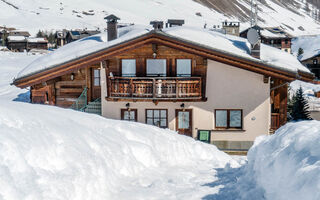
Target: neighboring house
197	82
231	28
21	43
61	37
19	33
37	43
273	36
313	64
16	43
74	35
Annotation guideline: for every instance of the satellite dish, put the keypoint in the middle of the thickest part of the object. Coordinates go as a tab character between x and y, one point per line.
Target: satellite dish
253	36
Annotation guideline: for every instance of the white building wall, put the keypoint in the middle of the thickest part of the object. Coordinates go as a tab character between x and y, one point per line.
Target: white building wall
227	88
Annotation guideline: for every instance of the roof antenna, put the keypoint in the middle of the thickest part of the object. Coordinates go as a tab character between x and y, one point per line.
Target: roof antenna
254	13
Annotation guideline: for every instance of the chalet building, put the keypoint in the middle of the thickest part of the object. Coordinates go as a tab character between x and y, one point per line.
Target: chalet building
313	64
197	82
72	36
231	28
22	43
61	37
16	43
273	36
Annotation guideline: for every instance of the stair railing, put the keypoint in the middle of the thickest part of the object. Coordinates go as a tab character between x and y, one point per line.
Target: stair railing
81	102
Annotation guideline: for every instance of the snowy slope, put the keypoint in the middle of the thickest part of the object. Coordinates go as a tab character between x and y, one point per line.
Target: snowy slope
309	44
286	165
33	15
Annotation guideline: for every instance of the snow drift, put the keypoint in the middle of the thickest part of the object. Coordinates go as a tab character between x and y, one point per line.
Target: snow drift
286	165
52	153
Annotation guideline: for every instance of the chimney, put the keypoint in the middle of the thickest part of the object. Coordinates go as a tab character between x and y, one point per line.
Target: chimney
112	22
157	25
253	36
174	22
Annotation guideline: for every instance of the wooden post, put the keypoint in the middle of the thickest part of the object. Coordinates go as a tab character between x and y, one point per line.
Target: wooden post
177	89
154	88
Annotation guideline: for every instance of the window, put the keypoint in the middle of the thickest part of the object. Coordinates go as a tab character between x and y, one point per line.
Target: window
156	67
225	119
157	117
128	67
96	77
183	67
315	61
129	115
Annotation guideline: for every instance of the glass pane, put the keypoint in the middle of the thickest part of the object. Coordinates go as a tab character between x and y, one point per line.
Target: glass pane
96	82
183	120
132	115
235	118
221	118
204	135
156	113
163	114
156	122
149	121
149	113
156	67
163	123
96	73
126	115
184	67
128	67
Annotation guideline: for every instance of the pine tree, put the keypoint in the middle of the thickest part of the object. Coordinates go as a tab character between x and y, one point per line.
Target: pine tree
300	51
300	107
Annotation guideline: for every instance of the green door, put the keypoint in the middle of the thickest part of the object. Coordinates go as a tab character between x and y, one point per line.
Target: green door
204	135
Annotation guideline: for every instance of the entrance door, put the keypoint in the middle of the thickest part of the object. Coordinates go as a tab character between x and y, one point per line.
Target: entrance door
184	121
96	88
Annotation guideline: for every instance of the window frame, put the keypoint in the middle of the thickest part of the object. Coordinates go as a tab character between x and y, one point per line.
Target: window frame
130	109
121	67
191	63
228	127
159	117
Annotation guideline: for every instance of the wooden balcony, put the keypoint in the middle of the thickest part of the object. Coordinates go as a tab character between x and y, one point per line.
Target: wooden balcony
155	88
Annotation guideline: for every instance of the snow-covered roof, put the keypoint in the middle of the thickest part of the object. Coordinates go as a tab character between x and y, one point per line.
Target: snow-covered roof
36	40
16	38
309	44
210	39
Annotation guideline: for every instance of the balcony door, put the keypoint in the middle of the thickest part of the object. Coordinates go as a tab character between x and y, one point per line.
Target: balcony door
157	67
184	121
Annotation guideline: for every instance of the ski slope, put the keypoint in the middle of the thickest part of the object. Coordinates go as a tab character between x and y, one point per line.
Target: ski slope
34	15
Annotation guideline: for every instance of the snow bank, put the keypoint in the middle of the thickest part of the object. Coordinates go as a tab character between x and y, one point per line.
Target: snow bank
52	153
286	165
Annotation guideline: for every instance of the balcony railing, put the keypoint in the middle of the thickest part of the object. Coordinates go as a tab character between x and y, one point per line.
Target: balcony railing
155	87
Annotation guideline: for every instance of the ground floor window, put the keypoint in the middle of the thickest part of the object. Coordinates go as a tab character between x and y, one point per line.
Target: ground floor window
228	118
129	115
157	117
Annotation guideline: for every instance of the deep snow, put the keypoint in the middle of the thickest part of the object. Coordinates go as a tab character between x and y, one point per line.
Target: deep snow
287	165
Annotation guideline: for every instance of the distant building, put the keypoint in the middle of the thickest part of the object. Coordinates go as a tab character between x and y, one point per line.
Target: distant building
79	34
61	37
231	28
273	36
313	64
22	43
19	33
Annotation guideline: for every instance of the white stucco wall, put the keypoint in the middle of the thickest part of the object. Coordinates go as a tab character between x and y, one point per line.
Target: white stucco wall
227	88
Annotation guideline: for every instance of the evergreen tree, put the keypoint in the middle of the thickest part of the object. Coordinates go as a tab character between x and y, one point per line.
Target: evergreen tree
40	34
300	51
300	107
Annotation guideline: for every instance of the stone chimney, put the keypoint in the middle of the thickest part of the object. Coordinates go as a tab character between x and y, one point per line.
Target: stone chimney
112	22
157	25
